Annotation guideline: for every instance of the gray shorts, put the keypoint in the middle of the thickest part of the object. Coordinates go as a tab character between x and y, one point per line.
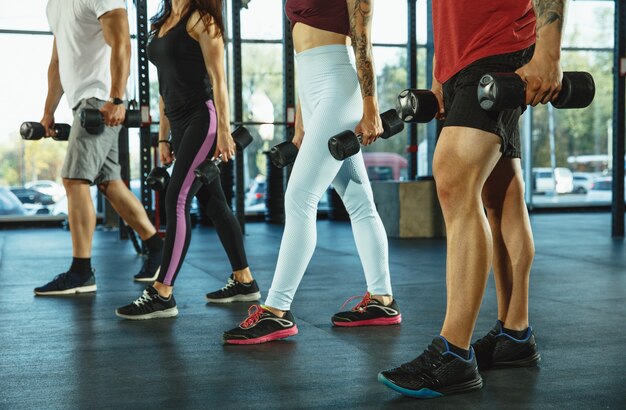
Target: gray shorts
94	158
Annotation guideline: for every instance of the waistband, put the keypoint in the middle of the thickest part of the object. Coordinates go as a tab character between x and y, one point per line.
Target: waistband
339	49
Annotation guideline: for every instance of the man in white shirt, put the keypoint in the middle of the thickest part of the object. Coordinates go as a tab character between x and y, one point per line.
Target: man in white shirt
90	64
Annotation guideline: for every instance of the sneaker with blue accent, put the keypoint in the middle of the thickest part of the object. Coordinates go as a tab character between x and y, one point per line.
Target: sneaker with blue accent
435	373
68	283
499	349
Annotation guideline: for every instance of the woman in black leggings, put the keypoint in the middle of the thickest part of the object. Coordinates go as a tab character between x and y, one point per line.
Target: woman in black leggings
187	47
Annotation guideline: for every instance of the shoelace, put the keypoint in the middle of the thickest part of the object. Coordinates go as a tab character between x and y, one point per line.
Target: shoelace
425	363
60	276
229	284
144	298
254	314
363	303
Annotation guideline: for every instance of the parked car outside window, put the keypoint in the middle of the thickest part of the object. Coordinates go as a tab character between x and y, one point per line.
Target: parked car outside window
9	204
583	182
561	181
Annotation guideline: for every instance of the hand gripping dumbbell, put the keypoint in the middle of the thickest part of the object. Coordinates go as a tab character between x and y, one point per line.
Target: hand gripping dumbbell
158	178
208	170
283	154
35	131
93	121
417	106
347	143
502	91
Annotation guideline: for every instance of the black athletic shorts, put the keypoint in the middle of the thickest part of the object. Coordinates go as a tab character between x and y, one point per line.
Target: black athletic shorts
461	100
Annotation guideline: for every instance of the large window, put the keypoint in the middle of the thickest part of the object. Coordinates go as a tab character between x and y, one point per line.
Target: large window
570	149
262	94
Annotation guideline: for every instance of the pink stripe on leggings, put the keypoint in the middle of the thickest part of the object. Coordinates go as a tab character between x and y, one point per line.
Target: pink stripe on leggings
181	220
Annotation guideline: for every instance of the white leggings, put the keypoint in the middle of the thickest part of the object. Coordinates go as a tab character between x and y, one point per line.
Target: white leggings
331	102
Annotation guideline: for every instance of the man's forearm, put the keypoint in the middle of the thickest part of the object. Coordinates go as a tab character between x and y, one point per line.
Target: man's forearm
550	18
55	90
120	68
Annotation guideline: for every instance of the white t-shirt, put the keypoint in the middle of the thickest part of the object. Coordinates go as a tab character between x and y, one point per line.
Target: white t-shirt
84	56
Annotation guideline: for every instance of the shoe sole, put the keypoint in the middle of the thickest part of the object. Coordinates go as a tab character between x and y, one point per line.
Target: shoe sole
237	298
161	314
474	384
72	291
281	334
529	361
371	322
150	279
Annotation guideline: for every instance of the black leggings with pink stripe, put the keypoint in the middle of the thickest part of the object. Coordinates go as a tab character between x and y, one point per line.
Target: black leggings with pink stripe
193	140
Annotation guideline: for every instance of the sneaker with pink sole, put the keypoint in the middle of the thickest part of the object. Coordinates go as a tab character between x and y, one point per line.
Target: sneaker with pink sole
368	312
261	326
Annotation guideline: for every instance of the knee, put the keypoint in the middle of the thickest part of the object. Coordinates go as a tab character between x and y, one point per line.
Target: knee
456	188
493	201
359	203
216	209
300	202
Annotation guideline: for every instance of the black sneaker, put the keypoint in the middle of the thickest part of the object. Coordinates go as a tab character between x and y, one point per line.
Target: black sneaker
235	291
369	312
498	349
150	305
68	283
150	269
261	326
436	372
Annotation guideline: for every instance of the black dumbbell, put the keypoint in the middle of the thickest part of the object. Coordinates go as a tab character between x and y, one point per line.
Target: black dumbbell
283	154
158	178
208	170
502	91
416	106
35	131
347	143
93	121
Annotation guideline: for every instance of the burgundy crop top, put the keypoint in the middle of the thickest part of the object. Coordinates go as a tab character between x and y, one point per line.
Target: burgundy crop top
329	15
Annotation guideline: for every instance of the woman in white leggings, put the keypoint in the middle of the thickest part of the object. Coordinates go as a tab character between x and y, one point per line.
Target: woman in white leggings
337	92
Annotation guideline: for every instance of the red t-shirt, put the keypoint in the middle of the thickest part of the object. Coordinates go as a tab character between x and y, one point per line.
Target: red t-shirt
468	30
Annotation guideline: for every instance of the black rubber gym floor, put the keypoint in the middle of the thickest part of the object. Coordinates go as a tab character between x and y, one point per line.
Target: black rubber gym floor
73	352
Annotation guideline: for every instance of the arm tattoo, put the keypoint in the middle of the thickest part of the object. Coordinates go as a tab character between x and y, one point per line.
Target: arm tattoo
360	19
548	12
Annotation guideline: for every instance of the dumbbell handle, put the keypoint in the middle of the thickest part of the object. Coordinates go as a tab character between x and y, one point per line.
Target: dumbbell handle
130	119
387	133
501	91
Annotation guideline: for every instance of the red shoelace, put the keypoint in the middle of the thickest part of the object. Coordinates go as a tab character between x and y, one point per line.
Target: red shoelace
254	314
363	303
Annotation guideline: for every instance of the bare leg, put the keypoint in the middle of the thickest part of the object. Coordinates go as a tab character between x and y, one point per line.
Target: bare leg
463	160
513	247
81	215
128	207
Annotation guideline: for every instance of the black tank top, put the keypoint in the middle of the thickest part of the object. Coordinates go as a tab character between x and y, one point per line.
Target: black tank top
183	79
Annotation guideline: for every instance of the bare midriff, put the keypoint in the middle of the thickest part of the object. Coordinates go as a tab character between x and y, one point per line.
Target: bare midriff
306	37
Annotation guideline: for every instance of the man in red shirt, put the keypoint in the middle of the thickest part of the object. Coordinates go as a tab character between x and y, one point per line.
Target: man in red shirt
476	167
